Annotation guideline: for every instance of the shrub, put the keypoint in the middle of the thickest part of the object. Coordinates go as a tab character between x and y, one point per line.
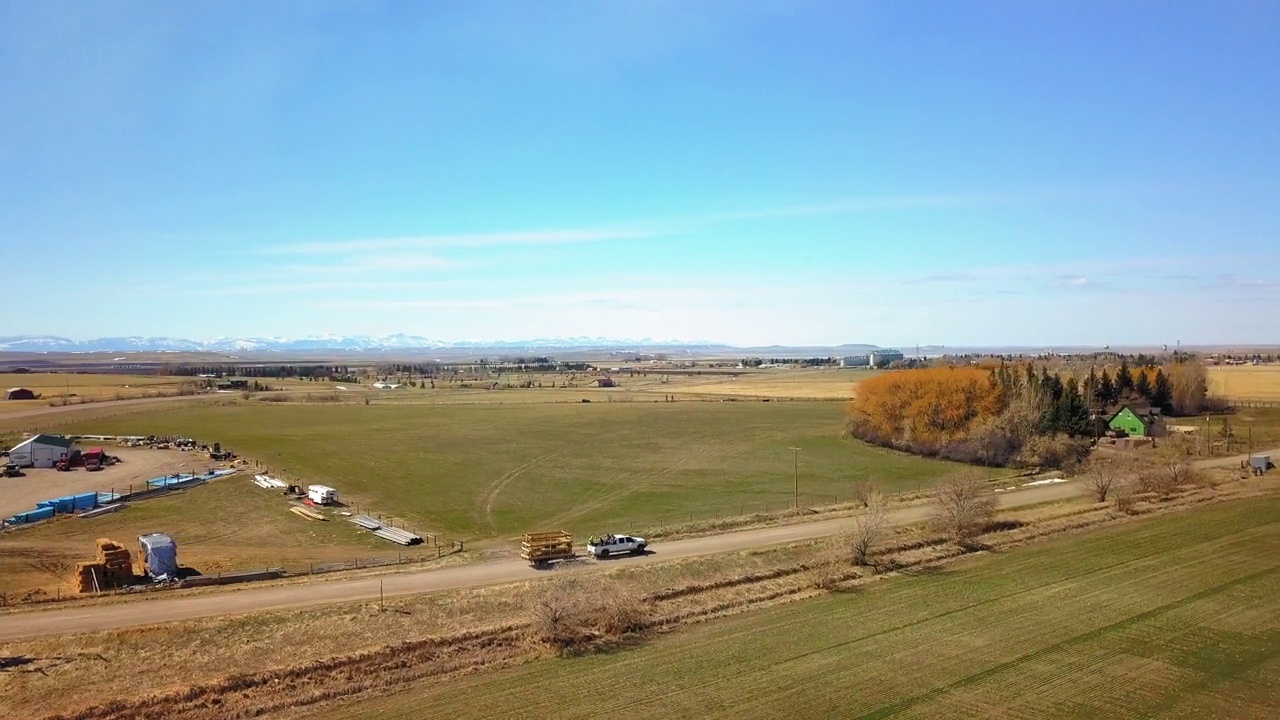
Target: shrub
962	506
1124	499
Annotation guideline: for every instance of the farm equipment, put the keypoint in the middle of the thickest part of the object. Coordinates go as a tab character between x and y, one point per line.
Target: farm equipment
94	458
541	549
63	464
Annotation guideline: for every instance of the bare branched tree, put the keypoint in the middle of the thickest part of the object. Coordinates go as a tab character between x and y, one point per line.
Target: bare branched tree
962	506
556	613
1099	481
866	530
1103	474
863	491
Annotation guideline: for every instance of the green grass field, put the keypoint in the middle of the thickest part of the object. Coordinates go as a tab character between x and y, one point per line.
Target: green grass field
1172	617
499	470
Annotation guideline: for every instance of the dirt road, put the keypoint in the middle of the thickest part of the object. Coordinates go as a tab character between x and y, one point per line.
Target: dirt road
1235	460
158	608
11	417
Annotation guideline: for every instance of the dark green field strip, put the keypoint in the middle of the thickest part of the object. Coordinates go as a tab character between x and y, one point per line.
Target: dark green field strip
1075	627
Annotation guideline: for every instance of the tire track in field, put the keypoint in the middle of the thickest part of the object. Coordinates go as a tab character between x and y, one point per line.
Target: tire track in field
484	505
626	488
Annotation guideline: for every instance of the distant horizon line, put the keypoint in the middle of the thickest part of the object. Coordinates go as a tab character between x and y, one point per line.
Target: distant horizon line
48	344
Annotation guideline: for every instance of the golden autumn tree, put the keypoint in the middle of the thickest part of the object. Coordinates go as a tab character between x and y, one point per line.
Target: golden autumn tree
922	409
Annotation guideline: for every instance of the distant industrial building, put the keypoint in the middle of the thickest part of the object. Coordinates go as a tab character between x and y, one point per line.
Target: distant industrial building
19	394
882	358
41	451
853	361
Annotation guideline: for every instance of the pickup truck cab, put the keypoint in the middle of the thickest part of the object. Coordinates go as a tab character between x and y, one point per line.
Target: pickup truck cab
603	547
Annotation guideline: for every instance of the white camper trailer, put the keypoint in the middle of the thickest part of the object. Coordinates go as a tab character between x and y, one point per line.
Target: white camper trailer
322	494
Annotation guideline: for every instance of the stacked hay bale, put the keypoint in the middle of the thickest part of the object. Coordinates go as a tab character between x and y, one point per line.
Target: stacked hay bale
112	569
116	562
90	577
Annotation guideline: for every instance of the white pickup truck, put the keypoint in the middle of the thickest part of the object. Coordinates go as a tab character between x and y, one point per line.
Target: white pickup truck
603	547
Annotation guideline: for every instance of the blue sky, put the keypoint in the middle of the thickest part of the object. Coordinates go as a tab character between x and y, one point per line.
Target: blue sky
795	173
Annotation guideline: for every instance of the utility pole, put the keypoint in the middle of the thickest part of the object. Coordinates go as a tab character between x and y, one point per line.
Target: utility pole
795	455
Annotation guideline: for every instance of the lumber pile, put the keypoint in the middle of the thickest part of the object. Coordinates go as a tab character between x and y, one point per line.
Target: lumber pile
307	513
112	568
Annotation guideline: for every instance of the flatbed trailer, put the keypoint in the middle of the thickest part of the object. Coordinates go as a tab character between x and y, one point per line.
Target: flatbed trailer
543	548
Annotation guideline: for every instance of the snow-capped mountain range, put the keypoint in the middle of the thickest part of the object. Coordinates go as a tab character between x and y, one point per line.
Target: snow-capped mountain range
398	341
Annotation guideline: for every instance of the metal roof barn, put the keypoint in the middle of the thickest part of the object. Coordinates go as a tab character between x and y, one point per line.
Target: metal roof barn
41	451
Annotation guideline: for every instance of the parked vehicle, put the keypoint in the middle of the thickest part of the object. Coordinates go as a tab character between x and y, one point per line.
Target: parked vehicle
12	470
603	547
92	465
541	549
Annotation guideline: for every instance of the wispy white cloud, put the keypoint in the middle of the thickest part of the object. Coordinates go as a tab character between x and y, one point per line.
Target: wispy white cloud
1242	282
464	240
652	227
868	203
941	278
647	300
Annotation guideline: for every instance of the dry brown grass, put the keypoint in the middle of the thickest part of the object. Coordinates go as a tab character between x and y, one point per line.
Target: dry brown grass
1245	382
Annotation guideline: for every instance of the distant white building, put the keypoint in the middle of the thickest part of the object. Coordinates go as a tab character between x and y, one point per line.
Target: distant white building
386	385
852	361
882	358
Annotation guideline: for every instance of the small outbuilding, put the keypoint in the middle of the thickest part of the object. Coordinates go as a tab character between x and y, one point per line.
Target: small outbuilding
19	393
605	382
41	451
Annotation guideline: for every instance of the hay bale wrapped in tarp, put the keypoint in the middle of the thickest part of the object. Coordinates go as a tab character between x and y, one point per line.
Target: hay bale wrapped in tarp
159	556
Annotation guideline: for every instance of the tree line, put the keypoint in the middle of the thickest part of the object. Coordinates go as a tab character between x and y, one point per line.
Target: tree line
1011	415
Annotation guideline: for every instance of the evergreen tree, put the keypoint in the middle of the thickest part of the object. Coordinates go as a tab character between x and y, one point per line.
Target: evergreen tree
1073	413
1107	393
1142	385
1124	379
1057	387
1162	392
